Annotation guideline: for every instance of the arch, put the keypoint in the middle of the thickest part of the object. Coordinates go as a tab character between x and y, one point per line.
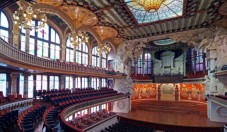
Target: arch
91	31
56	11
4	26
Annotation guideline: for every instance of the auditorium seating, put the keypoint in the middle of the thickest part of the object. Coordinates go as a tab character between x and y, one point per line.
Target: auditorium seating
127	127
49	119
82	122
59	102
7	118
28	118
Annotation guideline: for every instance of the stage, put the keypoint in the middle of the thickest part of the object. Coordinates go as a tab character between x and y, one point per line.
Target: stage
172	115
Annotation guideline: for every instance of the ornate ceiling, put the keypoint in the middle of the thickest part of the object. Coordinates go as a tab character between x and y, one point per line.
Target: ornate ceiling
129	21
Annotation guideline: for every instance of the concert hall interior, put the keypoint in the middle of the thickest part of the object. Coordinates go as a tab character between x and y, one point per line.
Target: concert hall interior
113	66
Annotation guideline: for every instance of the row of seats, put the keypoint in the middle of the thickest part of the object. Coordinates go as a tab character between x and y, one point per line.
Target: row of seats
10	98
52	92
127	127
7	118
26	121
49	119
82	122
60	102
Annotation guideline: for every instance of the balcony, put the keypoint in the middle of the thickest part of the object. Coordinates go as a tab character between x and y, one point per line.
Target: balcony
17	58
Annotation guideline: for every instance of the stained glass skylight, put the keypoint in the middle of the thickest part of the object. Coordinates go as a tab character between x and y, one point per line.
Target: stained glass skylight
168	9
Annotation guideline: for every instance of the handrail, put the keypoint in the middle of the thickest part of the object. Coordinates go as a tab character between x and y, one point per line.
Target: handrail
13	54
217	100
77	107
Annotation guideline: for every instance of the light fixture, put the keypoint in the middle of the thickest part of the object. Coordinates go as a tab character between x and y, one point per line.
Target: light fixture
150	4
23	18
77	38
103	47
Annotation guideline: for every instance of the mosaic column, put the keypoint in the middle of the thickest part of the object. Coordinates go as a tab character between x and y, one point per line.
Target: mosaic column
89	82
63	50
14	77
62	82
27	38
16	35
90	56
212	86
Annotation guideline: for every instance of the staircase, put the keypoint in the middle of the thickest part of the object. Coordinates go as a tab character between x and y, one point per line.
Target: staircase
171	106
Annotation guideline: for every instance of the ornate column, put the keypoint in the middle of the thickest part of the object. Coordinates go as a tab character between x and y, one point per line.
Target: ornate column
26	75
136	68
89	82
100	82
212	57
90	56
204	62
63	49
74	82
27	38
16	36
13	77
62	81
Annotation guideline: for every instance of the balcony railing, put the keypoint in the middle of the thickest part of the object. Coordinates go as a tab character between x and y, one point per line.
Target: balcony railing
78	107
13	54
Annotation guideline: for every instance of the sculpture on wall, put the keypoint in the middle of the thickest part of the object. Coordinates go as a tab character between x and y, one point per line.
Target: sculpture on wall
124	85
128	51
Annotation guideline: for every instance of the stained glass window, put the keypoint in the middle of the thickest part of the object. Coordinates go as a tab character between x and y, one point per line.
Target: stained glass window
195	61
54	82
30	86
69	51
4	27
82	54
147	63
84	82
95	57
3	83
78	82
103	82
68	82
41	82
43	43
168	9
140	65
95	83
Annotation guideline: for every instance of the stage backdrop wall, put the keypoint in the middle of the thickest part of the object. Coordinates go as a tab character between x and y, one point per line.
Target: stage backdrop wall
169	91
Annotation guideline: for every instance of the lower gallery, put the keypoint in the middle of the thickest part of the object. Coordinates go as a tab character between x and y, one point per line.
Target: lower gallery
113	66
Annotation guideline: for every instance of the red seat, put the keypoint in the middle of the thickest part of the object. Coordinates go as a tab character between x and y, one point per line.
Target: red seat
11	97
19	96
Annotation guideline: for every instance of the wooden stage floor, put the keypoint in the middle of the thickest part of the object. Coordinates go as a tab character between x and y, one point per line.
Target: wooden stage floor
170	117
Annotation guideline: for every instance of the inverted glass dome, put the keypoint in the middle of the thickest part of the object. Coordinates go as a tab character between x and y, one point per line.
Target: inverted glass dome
168	9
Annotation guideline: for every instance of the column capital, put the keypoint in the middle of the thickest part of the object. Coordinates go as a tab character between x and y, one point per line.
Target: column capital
14	75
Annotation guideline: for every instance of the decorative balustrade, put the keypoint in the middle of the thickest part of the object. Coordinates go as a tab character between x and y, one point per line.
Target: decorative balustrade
25	60
84	105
